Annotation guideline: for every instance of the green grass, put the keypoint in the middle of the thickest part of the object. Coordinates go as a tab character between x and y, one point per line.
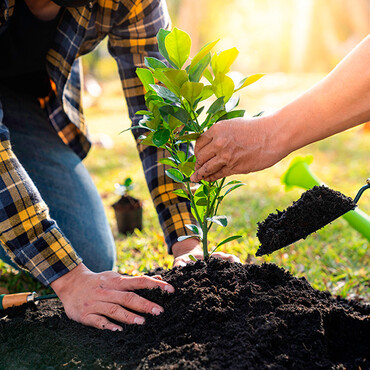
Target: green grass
334	259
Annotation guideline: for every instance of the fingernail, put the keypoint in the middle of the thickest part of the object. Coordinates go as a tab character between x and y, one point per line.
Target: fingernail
169	289
116	329
139	320
157	311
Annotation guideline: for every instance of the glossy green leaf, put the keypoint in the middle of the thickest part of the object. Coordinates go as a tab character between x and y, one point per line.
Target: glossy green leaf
223	86
196	73
175	175
182	156
178	44
232	183
154	63
161	137
182	115
187	168
167	162
165	93
191	91
174	122
159	74
177	77
192	258
194	228
232	114
216	105
189	137
207	92
147	139
222	62
146	77
248	81
232	103
207	74
202	53
161	37
227	240
185	237
181	193
201	202
143	112
219	220
233	188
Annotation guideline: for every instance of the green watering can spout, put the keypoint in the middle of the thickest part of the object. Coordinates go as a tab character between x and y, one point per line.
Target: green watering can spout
299	174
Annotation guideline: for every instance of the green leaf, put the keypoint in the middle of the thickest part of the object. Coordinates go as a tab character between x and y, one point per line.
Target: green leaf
167	162
189	137
153	63
222	62
146	77
193	228
233	188
175	175
248	81
216	106
191	91
178	44
143	112
176	77
232	103
174	122
161	137
207	74
159	74
185	237
223	86
219	220
196	73
147	139
201	202
187	168
228	240
232	183
207	92
161	37
232	114
181	193
182	156
182	115
192	258
202	53
165	93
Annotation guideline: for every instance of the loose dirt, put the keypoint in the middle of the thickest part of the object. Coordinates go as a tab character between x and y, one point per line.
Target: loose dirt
222	316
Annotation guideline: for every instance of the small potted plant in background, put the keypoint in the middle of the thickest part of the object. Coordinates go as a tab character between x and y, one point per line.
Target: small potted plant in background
128	210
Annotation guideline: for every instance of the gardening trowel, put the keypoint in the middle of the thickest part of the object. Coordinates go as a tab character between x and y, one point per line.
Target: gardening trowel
19	299
315	209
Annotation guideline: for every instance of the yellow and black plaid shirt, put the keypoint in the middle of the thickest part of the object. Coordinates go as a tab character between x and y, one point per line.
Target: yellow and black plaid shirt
30	237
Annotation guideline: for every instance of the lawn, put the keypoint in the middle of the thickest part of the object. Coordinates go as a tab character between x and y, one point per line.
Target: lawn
334	259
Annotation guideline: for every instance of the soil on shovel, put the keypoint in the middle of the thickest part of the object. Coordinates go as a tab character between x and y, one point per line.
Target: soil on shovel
316	208
222	316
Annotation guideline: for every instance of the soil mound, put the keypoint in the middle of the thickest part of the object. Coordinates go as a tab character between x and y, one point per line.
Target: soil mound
313	210
222	316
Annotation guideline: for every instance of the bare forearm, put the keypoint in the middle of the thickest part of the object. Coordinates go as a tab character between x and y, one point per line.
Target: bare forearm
338	102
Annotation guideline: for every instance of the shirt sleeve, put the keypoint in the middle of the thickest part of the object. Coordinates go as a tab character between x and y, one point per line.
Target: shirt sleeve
131	40
30	237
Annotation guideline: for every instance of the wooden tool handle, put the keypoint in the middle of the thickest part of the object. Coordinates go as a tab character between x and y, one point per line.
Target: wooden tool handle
13	300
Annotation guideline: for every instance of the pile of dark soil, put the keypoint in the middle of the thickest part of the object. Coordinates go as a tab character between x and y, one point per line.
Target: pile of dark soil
222	316
313	210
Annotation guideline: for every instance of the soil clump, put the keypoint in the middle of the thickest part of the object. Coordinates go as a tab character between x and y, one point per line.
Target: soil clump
315	208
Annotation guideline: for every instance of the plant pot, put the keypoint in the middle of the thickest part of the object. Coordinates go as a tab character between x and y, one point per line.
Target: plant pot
129	214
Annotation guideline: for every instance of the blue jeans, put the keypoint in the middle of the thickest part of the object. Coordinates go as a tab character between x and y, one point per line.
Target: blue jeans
62	180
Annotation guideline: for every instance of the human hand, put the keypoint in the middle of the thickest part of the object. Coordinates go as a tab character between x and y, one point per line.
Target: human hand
182	251
92	298
236	146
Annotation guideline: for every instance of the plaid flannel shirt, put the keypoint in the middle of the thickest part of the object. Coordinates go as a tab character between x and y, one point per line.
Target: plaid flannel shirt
30	237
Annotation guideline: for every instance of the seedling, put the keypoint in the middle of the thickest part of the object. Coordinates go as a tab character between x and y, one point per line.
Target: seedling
177	115
124	188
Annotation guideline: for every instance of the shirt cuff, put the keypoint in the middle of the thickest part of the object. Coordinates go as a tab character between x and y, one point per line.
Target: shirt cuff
48	257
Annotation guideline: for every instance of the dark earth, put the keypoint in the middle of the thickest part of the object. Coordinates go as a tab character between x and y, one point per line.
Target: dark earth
222	316
313	210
